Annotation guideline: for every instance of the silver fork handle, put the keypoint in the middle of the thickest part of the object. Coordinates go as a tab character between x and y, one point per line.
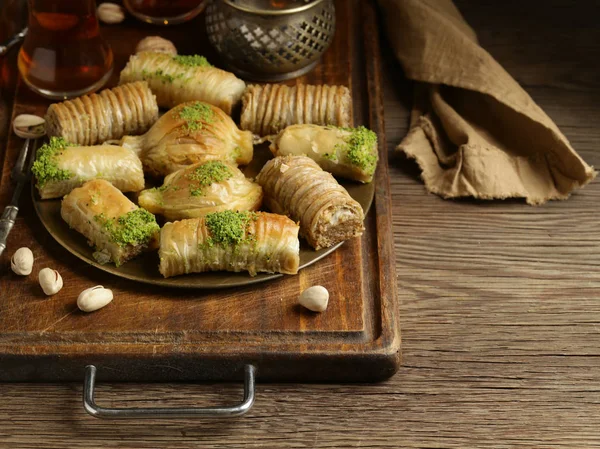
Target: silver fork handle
13	41
7	221
179	412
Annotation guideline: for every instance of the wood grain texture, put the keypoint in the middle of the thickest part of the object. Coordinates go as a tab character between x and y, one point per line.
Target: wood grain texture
500	301
153	333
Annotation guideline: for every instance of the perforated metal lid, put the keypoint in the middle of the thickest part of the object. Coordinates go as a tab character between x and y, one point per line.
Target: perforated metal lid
272	7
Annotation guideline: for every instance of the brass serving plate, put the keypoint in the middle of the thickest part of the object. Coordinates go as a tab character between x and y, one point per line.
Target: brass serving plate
145	267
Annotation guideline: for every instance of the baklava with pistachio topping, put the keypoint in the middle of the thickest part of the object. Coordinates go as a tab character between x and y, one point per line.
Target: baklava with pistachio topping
59	167
349	153
230	241
179	79
188	134
201	189
117	228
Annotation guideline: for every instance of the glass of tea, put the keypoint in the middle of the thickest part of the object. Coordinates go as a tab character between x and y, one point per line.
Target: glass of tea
165	12
63	55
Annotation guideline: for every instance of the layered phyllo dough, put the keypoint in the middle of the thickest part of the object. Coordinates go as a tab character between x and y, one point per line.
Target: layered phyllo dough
59	167
230	241
269	108
201	189
117	228
296	186
349	153
180	79
188	134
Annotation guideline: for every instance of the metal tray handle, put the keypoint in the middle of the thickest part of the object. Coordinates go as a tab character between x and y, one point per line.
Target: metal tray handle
182	412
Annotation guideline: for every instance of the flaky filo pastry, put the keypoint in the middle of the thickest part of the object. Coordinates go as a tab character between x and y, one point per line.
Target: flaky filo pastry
59	167
230	241
269	108
296	186
349	153
179	79
201	189
96	118
113	225
188	134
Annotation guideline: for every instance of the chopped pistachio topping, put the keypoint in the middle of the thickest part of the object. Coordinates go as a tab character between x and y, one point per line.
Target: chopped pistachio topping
192	61
45	167
362	148
134	228
206	174
229	228
330	156
196	115
162	76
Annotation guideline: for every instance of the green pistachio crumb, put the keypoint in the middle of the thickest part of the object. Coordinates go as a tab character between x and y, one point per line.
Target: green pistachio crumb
207	174
229	228
362	148
45	167
160	190
196	115
161	76
192	61
164	77
330	156
134	228
208	243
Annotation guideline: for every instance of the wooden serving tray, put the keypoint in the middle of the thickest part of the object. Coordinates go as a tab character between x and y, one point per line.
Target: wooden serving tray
149	333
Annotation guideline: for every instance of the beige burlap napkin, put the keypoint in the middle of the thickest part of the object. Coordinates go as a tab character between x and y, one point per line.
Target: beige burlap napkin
474	131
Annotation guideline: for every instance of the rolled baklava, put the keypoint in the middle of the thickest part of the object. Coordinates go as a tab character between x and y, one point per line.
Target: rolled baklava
269	108
179	79
188	134
96	118
60	167
349	153
201	189
113	225
230	241
296	186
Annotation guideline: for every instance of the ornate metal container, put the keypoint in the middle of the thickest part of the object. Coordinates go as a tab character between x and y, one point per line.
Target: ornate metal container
270	40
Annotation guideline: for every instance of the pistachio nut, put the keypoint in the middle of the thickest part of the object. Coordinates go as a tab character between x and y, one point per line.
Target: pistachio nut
111	13
315	298
22	261
29	126
94	298
156	44
50	281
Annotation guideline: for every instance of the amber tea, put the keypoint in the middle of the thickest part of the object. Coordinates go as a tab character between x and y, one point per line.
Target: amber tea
64	55
165	12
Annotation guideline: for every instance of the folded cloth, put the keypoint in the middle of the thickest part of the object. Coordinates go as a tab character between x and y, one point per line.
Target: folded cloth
474	131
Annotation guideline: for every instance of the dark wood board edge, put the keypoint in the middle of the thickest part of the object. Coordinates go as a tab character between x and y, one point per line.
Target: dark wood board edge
390	308
271	367
373	360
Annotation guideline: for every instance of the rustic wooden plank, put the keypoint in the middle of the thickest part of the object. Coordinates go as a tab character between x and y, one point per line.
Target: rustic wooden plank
502	353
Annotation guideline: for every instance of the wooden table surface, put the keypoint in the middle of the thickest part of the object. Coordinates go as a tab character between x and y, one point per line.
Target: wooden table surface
500	312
